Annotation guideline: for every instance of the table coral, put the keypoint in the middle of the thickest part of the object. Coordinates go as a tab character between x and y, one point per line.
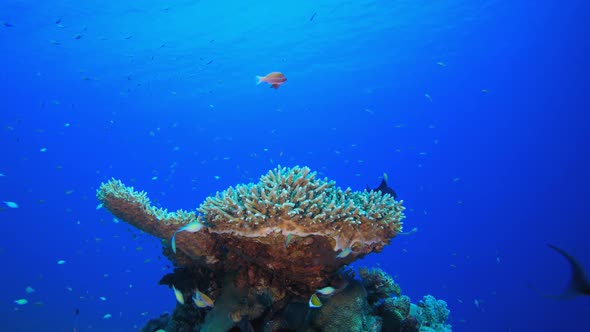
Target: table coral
290	226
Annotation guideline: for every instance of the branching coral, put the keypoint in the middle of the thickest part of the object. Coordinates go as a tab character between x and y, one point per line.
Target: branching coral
293	201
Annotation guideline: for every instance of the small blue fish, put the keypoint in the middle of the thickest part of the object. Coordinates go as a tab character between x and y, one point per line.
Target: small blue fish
193	227
344	253
326	290
173	242
11	205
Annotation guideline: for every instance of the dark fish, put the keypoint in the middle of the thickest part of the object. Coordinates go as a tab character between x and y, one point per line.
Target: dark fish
312	17
8	25
384	189
578	284
58	21
76	312
210	62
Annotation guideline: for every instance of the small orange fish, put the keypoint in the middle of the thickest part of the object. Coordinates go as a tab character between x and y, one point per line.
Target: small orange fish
275	79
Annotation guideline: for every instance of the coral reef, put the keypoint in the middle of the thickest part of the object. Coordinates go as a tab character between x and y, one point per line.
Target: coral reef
260	250
432	314
379	284
289	228
394	312
348	309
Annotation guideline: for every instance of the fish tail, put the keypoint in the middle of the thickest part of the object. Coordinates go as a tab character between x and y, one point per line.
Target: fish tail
259	79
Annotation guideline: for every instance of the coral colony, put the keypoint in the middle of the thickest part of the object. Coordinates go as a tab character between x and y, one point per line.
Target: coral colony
272	256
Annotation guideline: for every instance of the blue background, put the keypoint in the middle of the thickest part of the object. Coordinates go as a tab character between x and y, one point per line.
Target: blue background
477	110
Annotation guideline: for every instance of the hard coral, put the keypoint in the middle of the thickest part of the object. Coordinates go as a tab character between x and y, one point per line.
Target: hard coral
293	201
379	284
433	314
345	311
286	229
394	312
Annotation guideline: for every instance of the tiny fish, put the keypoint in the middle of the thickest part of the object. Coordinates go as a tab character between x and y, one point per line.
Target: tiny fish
202	297
11	205
21	301
312	17
173	242
428	97
289	237
8	25
193	227
314	301
29	290
275	79
107	316
199	303
61	262
344	253
326	290
178	295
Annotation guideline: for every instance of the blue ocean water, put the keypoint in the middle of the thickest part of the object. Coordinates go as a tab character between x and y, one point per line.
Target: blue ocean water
475	109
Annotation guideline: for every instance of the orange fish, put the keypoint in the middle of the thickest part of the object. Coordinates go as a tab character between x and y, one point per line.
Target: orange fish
275	79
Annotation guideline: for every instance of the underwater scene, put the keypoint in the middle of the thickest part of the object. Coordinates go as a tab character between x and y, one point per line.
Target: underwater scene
294	166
